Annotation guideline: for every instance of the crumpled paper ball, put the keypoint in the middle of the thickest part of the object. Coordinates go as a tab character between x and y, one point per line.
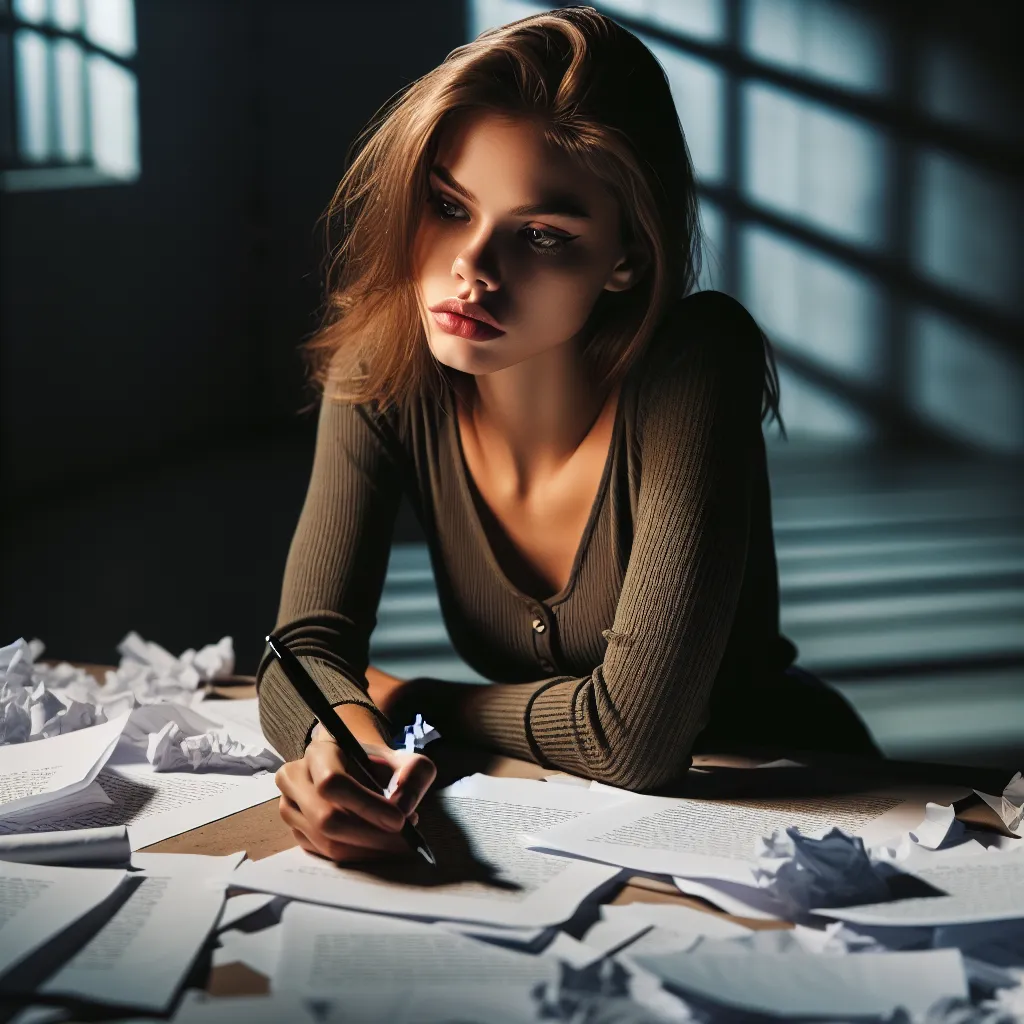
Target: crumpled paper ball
834	871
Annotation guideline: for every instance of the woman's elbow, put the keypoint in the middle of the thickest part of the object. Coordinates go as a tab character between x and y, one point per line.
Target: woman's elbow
642	769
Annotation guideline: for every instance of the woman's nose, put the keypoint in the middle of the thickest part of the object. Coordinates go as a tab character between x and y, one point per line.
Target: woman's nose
477	264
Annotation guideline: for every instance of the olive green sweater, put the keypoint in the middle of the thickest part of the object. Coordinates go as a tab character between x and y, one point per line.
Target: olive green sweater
671	608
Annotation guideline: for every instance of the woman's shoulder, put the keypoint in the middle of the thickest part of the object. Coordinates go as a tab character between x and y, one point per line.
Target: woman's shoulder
707	323
707	348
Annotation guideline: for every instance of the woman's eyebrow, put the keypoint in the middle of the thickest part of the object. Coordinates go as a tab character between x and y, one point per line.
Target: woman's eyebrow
560	204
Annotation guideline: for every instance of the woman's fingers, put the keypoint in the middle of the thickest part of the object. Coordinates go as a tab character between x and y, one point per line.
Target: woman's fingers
335	787
330	832
414	775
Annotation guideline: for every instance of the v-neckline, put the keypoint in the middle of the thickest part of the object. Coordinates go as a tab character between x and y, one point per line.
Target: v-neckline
466	485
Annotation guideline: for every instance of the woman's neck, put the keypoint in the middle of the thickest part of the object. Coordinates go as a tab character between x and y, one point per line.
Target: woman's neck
530	419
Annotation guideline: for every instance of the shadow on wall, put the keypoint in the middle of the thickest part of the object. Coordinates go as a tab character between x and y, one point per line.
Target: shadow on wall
861	168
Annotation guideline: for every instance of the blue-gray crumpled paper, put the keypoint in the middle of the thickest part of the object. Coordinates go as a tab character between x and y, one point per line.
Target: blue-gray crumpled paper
834	871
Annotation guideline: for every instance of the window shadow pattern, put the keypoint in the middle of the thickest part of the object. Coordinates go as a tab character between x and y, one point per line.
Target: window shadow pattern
859	177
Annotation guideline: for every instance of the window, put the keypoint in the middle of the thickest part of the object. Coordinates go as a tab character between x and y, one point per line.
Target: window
72	118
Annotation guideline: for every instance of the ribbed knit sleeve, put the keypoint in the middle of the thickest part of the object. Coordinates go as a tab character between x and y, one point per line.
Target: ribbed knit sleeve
632	721
335	572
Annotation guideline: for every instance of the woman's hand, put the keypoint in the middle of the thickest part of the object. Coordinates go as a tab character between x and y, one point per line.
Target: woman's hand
332	813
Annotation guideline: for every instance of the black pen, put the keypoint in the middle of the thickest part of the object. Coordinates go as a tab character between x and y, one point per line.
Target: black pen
306	687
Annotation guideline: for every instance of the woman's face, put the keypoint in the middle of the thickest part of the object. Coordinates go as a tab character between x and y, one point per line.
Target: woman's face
513	226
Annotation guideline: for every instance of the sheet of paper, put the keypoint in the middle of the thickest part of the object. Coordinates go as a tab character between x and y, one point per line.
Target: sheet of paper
626	927
483	874
37	902
259	950
199	1008
157	805
242	905
983	887
794	984
514	938
734	898
142	954
386	968
40	771
85	799
212	871
718	838
98	847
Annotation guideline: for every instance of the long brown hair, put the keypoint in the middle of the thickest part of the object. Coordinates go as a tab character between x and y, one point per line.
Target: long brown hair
603	99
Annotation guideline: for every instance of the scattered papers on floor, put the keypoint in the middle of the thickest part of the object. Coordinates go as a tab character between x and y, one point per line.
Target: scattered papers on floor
97	847
483	872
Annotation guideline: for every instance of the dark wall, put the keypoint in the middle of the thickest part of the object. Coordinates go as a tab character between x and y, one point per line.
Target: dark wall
153	458
145	316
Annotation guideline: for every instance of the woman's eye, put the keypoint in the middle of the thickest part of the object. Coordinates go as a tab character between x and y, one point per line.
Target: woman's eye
547	242
543	242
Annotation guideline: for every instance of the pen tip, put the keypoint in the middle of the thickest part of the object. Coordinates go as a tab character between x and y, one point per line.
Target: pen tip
426	854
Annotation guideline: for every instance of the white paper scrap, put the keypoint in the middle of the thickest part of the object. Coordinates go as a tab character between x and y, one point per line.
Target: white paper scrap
940	827
417	736
1009	805
483	872
38	901
796	984
99	847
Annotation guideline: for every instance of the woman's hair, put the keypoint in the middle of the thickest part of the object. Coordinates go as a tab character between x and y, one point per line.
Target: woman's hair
602	99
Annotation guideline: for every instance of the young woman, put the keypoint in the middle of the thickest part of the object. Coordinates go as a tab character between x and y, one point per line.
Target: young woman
513	341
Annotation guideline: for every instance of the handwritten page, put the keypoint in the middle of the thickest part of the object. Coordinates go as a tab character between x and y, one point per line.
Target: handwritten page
156	805
142	954
38	902
984	887
39	771
717	839
804	984
386	968
484	873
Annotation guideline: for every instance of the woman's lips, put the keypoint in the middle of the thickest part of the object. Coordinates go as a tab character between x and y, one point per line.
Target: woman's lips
465	327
